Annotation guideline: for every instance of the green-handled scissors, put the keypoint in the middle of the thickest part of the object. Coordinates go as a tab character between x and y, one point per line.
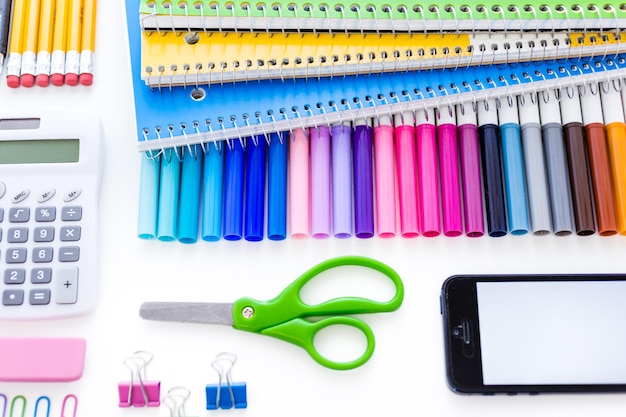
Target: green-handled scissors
284	316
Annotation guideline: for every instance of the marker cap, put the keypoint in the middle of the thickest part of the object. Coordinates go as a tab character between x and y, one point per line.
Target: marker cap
591	108
549	110
446	115
529	110
425	116
406	118
611	105
487	112
465	114
383	120
507	113
570	107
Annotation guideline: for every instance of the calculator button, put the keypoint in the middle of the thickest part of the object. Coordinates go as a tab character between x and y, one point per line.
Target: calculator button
42	255
1	214
46	195
13	297
3	189
39	297
71	213
0	235
45	214
43	234
21	196
72	195
41	275
19	214
66	285
70	233
69	254
14	276
16	256
17	235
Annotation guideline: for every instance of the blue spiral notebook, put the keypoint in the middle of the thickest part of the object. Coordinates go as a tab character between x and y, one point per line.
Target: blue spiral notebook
175	116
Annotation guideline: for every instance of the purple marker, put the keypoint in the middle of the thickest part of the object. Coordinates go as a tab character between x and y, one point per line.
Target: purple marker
363	180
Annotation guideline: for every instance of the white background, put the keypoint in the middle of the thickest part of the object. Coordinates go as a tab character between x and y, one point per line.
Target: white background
406	375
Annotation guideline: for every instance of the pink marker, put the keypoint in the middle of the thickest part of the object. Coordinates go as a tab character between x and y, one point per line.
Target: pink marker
407	173
299	197
427	172
385	177
449	171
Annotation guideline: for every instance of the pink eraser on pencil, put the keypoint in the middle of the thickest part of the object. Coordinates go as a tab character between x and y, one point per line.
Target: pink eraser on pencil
28	80
86	79
71	79
13	81
42	359
57	79
43	80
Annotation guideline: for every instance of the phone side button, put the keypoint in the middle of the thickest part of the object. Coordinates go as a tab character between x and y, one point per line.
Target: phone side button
511	393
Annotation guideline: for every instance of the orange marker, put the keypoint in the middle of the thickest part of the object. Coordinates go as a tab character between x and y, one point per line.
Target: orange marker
74	29
612	109
18	30
44	43
29	54
59	43
88	42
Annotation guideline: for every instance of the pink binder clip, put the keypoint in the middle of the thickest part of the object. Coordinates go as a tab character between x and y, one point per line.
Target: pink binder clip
139	392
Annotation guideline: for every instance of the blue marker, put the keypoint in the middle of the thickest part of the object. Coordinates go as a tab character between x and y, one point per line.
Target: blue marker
149	196
168	195
255	188
233	190
189	209
277	187
212	181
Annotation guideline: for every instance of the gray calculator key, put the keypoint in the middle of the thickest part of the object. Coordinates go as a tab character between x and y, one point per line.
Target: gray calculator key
39	297
17	235
19	214
42	255
70	233
41	275
14	276
69	254
66	289
71	213
43	234
16	256
13	297
1	214
45	214
0	235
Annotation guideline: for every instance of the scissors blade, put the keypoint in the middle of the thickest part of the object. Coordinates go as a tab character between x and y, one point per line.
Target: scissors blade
208	313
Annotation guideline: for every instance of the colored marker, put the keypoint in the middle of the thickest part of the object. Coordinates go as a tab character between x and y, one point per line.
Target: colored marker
491	157
342	180
385	177
277	187
406	158
88	43
616	139
513	167
535	164
255	188
576	148
319	138
599	163
59	42
449	171
44	43
16	42
470	171
363	180
148	196
74	34
427	172
29	54
189	204
5	21
556	163
169	195
233	190
212	191
299	198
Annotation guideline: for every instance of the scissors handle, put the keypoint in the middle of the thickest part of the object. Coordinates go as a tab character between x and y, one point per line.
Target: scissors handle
302	333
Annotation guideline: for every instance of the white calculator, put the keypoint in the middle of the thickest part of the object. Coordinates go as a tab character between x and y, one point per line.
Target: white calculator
50	170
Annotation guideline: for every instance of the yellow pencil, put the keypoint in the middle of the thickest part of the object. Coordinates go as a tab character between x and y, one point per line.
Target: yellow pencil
74	28
88	42
59	43
29	53
44	43
18	28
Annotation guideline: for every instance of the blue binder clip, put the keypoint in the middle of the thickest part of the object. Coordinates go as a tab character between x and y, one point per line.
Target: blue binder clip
139	393
175	401
226	394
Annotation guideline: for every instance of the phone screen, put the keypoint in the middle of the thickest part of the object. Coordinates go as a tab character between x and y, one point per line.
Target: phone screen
539	333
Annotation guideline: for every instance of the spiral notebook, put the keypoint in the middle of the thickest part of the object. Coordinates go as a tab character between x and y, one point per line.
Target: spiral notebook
218	58
366	16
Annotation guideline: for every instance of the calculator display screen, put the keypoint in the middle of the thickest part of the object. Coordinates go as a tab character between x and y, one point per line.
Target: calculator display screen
39	151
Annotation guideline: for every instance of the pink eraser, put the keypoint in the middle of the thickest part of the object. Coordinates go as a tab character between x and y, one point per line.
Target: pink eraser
57	79
152	390
43	80
42	359
71	79
86	79
28	80
13	81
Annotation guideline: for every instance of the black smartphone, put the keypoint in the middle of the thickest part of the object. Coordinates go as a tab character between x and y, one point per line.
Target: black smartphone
535	333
